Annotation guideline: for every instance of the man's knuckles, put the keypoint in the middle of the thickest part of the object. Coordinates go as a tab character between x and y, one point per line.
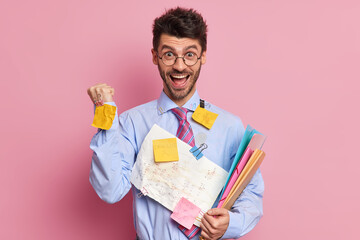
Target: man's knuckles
101	92
212	232
216	225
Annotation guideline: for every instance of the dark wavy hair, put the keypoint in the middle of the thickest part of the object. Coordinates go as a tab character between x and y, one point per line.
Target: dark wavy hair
180	22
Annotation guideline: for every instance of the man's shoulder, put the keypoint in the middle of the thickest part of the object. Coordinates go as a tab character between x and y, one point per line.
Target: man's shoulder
224	115
146	108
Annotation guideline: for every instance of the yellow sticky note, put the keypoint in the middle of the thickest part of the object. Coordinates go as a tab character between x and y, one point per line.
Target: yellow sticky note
165	150
204	117
104	116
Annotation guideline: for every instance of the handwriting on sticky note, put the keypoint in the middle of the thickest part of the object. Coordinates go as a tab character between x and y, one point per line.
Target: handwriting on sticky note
204	117
104	116
185	213
165	150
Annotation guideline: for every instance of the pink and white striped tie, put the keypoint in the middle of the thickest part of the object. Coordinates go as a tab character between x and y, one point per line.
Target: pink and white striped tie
184	131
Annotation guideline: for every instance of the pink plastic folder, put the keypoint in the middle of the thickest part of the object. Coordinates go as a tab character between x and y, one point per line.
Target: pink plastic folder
256	142
244	159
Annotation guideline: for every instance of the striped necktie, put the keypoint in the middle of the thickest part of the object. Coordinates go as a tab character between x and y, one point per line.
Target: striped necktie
184	131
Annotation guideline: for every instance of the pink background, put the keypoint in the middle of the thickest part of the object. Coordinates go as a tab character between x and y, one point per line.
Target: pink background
289	68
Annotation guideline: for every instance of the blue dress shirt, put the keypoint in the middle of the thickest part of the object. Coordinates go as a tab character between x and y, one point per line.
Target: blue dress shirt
115	152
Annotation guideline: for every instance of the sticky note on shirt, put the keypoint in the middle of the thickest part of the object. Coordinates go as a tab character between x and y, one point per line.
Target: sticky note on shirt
204	117
165	150
104	116
185	213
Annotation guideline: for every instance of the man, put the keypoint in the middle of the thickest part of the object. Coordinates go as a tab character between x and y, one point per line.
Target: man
179	51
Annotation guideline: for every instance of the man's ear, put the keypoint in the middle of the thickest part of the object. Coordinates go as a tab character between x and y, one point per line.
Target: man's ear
203	58
154	57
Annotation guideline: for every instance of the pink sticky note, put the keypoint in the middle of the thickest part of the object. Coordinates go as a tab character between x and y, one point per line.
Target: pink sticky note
185	213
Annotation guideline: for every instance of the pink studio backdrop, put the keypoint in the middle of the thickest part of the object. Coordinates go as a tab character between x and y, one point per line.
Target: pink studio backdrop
288	68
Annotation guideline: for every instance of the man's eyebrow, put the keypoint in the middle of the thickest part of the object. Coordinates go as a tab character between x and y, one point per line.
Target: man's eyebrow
192	46
168	47
173	49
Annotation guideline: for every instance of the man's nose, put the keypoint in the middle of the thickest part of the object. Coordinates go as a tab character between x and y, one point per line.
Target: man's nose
179	64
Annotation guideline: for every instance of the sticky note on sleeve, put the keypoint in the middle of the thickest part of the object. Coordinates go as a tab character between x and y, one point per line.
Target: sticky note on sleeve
185	213
165	150
204	117
104	116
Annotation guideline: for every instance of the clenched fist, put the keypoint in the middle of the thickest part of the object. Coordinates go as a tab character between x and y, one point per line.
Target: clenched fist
101	93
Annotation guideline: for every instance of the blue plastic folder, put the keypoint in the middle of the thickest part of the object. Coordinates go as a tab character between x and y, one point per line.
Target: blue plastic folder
249	133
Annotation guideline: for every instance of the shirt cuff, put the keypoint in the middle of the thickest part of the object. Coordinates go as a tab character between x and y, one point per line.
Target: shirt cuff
109	103
233	230
115	122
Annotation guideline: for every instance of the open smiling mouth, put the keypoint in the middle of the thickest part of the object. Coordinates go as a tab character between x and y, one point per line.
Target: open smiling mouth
179	80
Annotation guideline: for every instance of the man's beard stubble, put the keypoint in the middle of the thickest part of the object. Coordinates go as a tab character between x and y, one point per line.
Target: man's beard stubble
178	95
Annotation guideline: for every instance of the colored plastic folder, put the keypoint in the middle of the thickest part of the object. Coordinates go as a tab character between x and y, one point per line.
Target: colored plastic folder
256	142
246	175
244	159
249	133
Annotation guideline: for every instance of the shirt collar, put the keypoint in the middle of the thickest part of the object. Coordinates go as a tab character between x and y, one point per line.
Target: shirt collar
165	103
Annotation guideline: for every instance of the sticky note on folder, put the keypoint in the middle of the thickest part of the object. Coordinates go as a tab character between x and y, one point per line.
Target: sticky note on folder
165	150
204	117
185	213
104	116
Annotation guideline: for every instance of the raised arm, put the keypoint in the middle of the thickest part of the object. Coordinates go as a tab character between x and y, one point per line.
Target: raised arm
114	151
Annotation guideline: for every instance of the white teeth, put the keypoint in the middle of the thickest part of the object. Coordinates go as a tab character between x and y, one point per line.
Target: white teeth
179	76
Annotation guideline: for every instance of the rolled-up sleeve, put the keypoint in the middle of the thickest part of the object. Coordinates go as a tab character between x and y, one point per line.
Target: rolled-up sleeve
114	153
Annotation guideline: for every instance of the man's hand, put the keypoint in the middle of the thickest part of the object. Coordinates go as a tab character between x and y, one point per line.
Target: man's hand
101	93
214	223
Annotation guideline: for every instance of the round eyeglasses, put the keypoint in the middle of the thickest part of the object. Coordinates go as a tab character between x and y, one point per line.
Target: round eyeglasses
169	58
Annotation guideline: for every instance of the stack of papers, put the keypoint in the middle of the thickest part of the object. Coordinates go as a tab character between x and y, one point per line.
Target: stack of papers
168	172
246	162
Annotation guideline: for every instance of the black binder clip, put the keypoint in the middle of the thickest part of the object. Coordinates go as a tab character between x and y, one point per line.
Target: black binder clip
197	151
202	103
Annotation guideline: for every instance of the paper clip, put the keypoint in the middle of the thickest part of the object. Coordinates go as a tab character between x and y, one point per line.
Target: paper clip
202	103
143	192
139	195
197	151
